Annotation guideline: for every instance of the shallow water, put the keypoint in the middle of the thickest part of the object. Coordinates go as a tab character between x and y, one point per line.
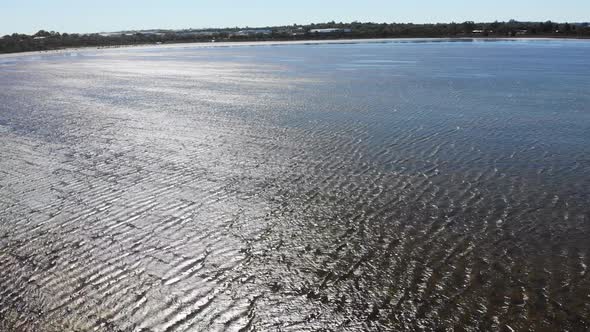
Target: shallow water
400	185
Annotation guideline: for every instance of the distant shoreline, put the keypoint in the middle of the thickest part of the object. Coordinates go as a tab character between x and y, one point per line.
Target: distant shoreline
326	32
283	42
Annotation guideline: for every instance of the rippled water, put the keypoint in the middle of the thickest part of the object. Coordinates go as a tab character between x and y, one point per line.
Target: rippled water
404	185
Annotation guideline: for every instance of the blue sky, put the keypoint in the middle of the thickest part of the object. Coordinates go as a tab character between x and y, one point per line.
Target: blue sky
27	16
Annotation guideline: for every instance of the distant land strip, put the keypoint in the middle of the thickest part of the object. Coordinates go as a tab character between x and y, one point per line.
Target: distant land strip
51	40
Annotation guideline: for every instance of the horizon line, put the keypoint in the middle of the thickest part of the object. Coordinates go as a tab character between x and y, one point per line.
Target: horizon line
306	24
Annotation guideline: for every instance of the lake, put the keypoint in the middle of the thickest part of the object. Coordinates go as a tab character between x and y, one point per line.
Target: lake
401	184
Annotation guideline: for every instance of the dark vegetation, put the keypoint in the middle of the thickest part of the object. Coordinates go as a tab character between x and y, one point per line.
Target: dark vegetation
44	40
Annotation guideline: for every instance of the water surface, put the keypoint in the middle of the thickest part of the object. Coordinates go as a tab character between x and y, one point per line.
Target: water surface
413	185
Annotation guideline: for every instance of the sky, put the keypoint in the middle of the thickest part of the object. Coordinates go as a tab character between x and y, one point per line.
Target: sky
82	16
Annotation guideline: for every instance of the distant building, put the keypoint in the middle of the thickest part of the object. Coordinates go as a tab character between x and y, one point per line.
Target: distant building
330	30
252	32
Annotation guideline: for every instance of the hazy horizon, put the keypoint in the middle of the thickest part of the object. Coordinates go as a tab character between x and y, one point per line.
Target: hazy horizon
34	15
279	25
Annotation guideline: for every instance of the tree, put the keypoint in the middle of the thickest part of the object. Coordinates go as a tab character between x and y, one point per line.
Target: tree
42	33
468	26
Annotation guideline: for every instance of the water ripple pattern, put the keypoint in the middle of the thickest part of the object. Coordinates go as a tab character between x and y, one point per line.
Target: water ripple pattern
348	187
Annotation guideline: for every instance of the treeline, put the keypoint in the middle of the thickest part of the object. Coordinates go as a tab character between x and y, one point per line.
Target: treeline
44	40
466	29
